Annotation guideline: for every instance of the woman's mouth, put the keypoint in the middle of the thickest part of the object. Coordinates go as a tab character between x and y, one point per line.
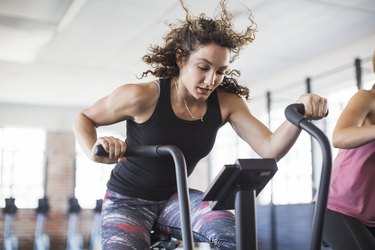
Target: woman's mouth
204	91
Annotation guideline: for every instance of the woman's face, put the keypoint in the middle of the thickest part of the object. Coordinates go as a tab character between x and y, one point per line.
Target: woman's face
204	70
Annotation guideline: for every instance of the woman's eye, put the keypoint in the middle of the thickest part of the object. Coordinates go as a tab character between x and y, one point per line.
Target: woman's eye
220	72
203	68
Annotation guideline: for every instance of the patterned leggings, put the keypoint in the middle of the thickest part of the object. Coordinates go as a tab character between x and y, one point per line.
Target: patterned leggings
127	222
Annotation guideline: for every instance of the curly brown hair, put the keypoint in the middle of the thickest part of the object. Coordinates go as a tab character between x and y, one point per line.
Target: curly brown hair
186	35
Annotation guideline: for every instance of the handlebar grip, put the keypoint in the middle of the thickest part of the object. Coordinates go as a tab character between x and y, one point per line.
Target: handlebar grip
131	151
294	113
100	151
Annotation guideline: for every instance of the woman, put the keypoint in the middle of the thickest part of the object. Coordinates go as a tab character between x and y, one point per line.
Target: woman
195	94
350	218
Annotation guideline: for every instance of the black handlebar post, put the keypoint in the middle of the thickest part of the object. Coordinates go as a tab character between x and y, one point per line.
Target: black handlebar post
294	113
181	177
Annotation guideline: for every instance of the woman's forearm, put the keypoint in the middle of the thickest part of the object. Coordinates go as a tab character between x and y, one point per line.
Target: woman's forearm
353	137
283	139
85	132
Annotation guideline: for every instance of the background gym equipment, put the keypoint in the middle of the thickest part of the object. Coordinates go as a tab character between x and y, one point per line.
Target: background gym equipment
41	240
74	240
95	243
10	240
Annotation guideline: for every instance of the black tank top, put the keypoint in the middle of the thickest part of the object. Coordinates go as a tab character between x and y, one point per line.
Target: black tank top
153	178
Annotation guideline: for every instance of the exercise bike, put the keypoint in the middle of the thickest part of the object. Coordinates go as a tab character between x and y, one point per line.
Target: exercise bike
95	231
237	185
182	187
41	240
10	241
74	240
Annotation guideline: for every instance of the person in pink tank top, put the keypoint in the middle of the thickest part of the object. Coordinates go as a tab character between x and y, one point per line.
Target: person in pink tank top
350	218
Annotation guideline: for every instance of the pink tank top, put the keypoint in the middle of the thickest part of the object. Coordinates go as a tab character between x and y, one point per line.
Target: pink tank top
352	190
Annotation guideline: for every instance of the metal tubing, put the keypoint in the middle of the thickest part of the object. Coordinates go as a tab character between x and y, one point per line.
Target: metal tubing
294	114
273	221
321	202
183	192
181	178
358	72
45	173
245	215
39	228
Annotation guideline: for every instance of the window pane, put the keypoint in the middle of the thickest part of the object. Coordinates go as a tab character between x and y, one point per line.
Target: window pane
22	165
91	179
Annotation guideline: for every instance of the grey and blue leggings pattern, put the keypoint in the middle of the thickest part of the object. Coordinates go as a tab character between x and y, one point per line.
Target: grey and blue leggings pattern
127	222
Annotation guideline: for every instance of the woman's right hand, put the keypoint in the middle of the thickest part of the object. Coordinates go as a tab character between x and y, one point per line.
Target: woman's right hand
115	148
316	107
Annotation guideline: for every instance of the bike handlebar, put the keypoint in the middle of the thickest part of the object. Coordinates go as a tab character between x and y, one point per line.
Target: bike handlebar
181	178
294	113
136	151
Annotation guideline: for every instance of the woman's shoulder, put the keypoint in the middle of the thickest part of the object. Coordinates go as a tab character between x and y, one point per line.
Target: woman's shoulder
138	91
365	96
137	95
230	103
225	94
228	98
139	86
368	92
136	99
364	101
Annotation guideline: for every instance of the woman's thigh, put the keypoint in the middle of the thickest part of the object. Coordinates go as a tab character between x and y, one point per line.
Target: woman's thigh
127	222
343	232
213	226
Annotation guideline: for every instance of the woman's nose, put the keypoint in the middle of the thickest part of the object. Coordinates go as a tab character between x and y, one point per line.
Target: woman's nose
210	80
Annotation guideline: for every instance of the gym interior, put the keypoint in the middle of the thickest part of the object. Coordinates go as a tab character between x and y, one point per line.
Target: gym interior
59	56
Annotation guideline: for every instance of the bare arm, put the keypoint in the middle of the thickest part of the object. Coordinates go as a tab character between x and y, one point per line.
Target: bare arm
131	101
356	124
258	136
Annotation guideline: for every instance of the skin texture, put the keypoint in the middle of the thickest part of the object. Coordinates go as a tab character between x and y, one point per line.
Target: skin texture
199	75
356	124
